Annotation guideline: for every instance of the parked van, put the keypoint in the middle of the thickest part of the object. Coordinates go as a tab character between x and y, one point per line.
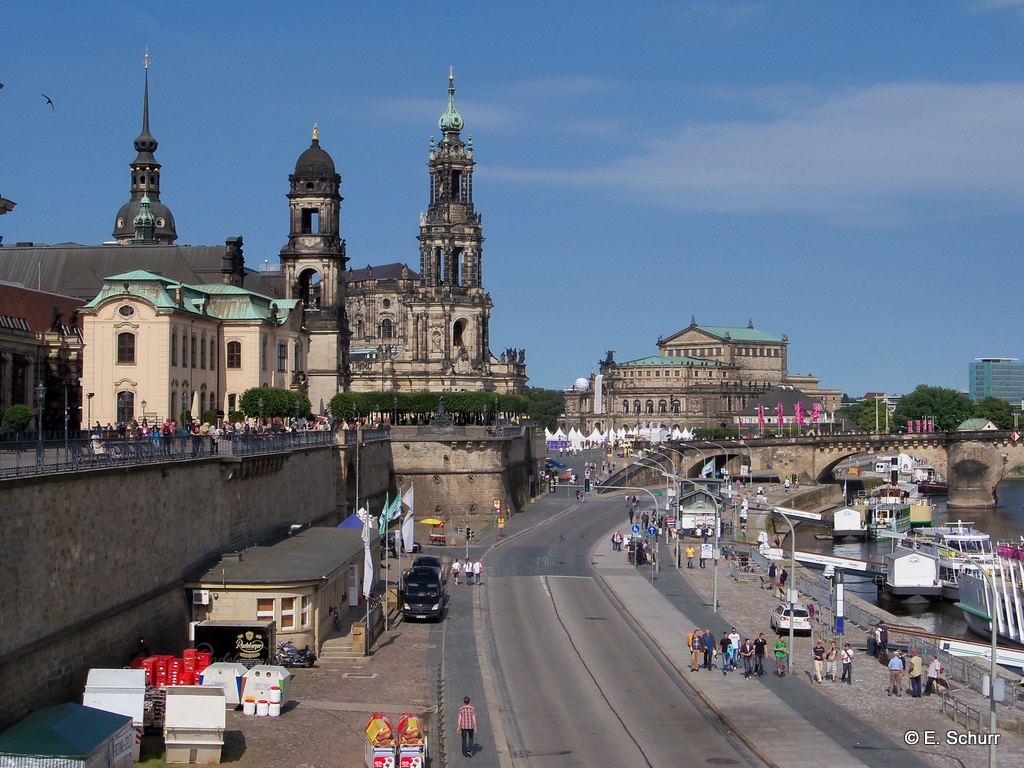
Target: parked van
424	594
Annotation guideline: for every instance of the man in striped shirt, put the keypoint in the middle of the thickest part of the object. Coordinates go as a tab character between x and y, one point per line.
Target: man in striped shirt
467	726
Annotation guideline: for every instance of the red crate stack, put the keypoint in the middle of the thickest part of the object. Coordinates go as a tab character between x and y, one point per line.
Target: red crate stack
203	660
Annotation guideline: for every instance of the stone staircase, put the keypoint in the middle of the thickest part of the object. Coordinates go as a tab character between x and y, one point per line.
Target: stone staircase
337	650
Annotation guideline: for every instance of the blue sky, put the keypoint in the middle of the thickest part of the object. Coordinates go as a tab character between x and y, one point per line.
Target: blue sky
850	174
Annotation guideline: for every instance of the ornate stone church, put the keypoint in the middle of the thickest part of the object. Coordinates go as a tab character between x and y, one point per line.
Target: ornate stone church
389	327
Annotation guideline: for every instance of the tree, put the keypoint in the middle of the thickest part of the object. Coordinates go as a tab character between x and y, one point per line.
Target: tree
947	408
867	414
276	402
17	417
996	410
545	406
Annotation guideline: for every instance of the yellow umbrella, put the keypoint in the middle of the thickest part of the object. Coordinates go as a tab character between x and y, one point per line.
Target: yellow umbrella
432	521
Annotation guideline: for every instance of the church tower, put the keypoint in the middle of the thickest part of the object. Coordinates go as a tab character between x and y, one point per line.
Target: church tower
313	262
145	183
451	249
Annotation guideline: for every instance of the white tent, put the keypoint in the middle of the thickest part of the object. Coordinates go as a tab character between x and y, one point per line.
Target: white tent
596	438
576	438
621	434
676	434
547	434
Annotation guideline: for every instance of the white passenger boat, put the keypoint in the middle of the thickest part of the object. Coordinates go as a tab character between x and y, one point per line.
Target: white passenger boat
1003	599
955	547
886	510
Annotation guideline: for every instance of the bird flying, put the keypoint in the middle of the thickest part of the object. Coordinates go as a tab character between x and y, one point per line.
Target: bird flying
49	101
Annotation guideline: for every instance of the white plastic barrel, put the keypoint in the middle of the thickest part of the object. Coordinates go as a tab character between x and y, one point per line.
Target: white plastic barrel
249	707
262	708
274	709
275	694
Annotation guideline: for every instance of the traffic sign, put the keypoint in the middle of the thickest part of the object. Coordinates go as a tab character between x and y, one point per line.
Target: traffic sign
658	494
653	530
670	522
635	528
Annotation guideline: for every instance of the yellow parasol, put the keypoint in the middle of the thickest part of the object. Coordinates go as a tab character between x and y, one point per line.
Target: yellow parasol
432	521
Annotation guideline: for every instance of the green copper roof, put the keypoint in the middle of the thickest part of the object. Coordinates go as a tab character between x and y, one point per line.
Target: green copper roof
451	120
673	362
738	334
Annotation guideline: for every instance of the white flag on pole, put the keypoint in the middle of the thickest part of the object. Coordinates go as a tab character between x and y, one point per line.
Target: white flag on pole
367	556
708	468
407	523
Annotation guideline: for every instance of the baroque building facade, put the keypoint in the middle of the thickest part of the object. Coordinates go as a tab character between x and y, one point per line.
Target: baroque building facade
429	330
702	376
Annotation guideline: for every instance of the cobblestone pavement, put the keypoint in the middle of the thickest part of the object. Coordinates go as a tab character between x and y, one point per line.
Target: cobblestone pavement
323	725
746	606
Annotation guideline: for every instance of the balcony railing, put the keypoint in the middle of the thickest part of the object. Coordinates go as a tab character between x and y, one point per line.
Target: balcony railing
27	457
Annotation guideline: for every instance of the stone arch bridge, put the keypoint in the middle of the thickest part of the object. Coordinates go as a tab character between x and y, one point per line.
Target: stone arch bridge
972	463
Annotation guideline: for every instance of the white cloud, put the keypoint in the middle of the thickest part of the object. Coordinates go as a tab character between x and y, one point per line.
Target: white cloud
987	6
868	154
724	15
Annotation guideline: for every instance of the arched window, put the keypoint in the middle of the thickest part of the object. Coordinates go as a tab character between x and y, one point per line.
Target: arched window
649	406
662	406
125	406
126	348
174	348
263	354
625	406
192	351
213	401
636	406
202	353
234	354
675	406
202	404
282	358
213	354
387	329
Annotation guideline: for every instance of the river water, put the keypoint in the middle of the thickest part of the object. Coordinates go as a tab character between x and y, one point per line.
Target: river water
1005	521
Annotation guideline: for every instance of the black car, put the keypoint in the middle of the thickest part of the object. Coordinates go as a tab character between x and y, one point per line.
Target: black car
424	594
429	561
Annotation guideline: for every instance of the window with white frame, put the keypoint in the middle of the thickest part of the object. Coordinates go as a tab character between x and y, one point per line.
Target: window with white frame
265	609
287	613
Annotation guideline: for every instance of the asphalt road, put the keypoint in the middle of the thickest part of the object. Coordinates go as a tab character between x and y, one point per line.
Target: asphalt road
573	682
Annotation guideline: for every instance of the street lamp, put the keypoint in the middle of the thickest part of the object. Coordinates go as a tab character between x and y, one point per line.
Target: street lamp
143	410
40	394
184	407
89	396
789	588
260	402
990	585
394	412
66	385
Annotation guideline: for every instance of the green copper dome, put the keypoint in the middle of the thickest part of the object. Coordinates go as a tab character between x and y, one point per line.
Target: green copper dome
451	120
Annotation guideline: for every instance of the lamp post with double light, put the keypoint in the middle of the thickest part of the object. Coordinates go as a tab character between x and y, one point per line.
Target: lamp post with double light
40	397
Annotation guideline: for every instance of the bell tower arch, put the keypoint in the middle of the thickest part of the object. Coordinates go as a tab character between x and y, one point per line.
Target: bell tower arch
313	262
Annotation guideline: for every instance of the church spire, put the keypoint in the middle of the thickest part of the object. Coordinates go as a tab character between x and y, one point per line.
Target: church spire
145	183
451	120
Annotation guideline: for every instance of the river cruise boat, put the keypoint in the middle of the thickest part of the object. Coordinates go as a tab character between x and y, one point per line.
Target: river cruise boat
955	547
979	604
887	509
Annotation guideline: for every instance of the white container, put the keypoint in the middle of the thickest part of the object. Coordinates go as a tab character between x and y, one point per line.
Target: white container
262	708
121	691
275	694
194	722
249	707
274	709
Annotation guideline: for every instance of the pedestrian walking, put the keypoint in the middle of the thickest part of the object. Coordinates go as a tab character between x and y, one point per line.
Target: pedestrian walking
781	651
881	638
725	651
734	648
934	670
467	726
831	656
818	655
478	570
747	654
760	650
696	649
456	567
896	669
914	673
847	657
709	649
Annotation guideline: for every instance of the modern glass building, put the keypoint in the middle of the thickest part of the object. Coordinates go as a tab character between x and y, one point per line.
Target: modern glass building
1001	377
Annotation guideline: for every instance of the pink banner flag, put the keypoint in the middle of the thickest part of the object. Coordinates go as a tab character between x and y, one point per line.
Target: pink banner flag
760	416
918	425
910	426
815	412
778	411
931	425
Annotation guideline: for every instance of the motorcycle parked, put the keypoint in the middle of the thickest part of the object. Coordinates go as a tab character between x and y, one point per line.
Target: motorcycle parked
288	655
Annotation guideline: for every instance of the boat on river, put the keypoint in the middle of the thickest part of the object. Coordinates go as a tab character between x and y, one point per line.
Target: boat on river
1003	600
955	547
887	509
848	523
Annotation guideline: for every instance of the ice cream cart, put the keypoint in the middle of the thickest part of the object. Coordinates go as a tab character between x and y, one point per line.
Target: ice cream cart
380	742
437	534
412	742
